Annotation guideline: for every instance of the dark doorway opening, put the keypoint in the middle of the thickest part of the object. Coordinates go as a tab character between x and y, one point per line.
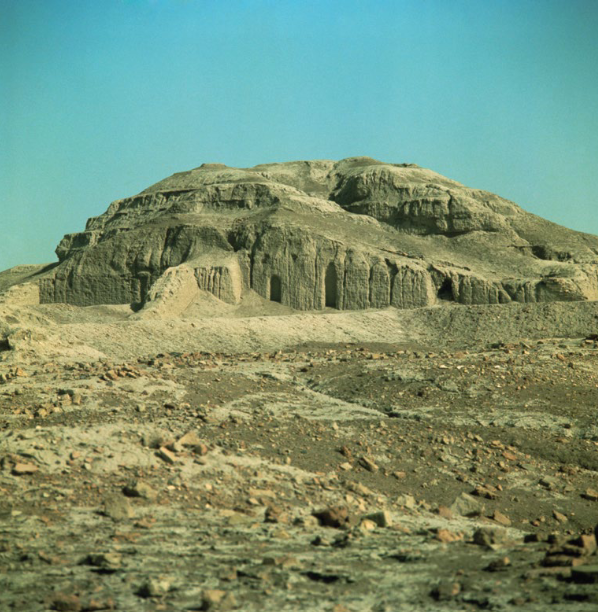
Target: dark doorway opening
446	290
275	289
330	285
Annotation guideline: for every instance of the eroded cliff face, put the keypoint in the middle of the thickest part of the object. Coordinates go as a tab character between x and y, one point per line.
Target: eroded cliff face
353	234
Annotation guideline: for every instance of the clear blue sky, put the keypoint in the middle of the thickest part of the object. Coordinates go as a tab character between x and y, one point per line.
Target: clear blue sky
101	98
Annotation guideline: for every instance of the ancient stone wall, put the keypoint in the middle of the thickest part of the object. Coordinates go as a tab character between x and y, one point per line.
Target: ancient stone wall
313	274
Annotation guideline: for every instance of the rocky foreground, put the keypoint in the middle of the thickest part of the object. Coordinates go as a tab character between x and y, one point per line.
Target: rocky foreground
335	477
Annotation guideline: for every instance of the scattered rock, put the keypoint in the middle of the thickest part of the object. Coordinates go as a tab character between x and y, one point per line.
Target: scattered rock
22	469
307	522
498	565
215	599
466	505
166	455
445	513
189	439
501	519
586	542
337	517
155	587
108	562
365	525
407	501
100	605
550	483
490	537
368	464
141	489
446	591
276	514
284	561
65	602
446	536
590	494
381	518
118	508
487	491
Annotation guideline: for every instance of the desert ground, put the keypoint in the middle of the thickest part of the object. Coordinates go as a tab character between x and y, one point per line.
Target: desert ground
255	458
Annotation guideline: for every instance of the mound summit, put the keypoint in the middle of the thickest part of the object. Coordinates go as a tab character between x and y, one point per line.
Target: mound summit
348	235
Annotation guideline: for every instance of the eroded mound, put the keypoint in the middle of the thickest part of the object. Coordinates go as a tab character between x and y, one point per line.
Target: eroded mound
353	234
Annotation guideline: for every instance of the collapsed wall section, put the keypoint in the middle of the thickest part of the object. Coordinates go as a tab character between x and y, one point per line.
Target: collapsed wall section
223	278
120	268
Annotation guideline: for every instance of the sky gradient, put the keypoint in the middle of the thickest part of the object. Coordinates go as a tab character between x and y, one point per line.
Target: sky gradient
101	98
